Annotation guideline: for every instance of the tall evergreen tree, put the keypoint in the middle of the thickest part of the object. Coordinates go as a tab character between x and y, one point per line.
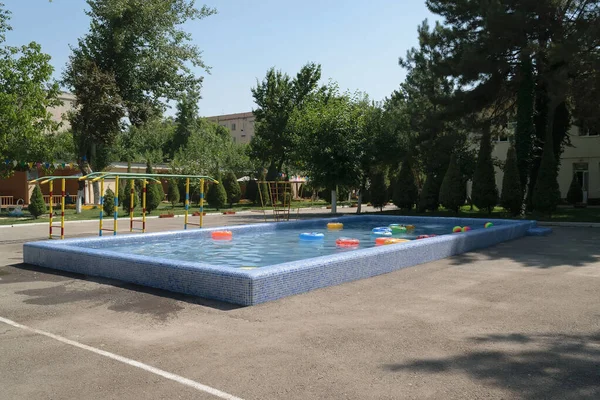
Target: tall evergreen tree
173	192
452	191
546	194
484	191
36	206
186	120
232	187
525	131
429	197
154	191
575	193
379	189
216	196
109	203
511	198
405	193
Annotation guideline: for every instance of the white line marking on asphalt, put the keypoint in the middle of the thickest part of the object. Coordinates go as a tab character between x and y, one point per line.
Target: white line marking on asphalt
128	361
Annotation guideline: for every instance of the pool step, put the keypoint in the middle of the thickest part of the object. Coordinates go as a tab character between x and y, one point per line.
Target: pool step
539	231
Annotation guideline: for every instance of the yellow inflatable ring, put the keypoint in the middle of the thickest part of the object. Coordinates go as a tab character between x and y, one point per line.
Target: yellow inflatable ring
335	226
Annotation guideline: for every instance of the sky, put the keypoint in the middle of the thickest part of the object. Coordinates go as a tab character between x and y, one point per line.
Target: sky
356	42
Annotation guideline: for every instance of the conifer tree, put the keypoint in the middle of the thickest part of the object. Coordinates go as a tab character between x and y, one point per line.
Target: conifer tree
452	191
485	193
405	193
511	198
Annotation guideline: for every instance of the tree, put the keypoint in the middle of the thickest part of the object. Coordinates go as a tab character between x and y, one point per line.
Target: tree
216	196
141	44
26	92
36	206
277	97
154	191
405	193
452	191
159	187
173	192
251	190
525	131
546	193
484	191
429	197
575	193
511	198
379	189
232	187
205	151
263	191
109	202
186	120
152	141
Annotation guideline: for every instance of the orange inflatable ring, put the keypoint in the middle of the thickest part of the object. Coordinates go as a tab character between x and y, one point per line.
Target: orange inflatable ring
380	241
347	242
221	235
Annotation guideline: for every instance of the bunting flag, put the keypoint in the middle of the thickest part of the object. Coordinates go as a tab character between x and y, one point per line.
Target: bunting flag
37	164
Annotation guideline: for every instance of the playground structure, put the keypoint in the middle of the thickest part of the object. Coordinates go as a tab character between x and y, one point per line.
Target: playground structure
132	177
280	198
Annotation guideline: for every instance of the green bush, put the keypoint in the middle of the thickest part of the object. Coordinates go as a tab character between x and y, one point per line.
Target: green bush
125	200
379	189
109	203
216	196
251	190
264	192
546	193
428	199
511	198
484	193
575	193
36	206
153	196
173	192
341	194
405	193
232	187
452	191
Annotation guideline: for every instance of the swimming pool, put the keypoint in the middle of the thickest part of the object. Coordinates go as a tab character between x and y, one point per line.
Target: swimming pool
266	261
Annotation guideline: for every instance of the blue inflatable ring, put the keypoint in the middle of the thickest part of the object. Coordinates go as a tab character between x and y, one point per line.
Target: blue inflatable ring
311	236
382	231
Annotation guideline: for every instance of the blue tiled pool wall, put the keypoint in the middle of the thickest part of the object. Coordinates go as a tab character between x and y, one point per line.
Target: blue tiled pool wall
248	287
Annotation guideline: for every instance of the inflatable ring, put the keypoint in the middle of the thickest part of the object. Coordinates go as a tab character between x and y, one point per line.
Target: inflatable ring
410	227
221	235
382	231
308	236
335	226
347	242
396	228
380	241
488	225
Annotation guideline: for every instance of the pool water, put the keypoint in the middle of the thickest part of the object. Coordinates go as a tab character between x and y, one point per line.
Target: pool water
259	249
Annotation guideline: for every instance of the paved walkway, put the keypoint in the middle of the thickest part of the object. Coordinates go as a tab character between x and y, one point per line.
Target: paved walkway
520	320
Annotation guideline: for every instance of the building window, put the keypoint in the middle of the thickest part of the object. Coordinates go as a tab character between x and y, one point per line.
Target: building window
243	135
589	131
233	127
581	170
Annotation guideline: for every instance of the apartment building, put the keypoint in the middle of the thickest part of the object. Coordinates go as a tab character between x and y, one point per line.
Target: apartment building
240	125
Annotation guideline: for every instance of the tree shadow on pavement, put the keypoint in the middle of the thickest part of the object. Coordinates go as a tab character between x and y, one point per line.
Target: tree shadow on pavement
542	366
575	247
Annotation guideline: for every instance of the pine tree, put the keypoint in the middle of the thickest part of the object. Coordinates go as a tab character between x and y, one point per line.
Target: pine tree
36	206
511	198
405	193
452	191
232	187
109	203
525	131
153	198
173	192
379	189
126	199
264	192
216	196
575	193
428	199
485	193
546	193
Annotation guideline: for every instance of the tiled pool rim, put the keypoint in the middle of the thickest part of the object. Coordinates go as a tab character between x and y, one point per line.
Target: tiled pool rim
249	287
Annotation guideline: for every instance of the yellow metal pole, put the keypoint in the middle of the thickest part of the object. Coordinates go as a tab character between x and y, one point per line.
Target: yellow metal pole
201	202
62	210
131	198
116	205
101	206
51	187
144	207
187	202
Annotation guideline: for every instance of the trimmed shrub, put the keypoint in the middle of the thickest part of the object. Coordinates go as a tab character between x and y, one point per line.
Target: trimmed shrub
379	189
452	191
264	192
511	198
36	205
124	201
153	198
232	187
251	190
216	196
575	193
428	200
405	193
485	193
546	193
109	203
173	192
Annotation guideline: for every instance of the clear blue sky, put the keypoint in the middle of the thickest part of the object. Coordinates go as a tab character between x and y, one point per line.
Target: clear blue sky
356	42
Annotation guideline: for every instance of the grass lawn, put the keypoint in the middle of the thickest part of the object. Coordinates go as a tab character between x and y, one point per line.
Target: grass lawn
164	208
563	214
